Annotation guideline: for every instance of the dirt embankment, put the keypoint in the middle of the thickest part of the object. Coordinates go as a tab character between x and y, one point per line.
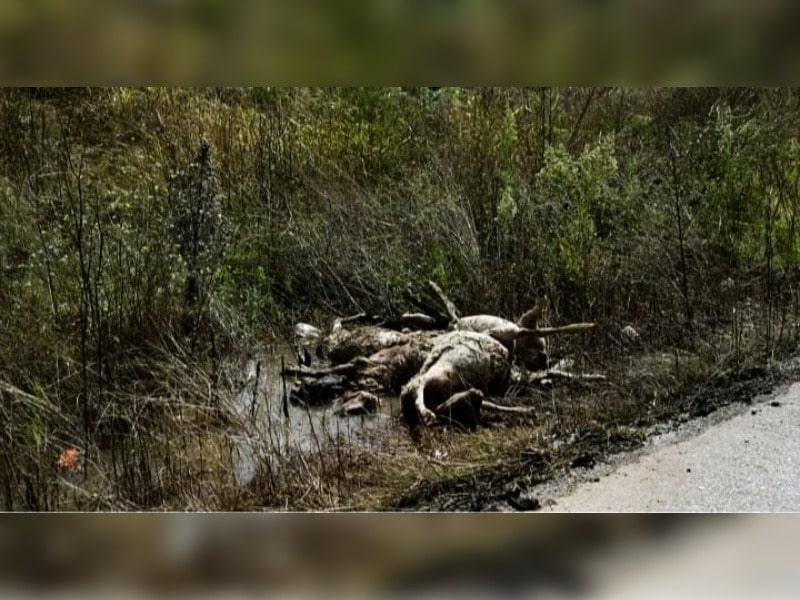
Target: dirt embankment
539	475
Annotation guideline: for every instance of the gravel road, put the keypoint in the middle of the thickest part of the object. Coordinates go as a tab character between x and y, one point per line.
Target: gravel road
749	462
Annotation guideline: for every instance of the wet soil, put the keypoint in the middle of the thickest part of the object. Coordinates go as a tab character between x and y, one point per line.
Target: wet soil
276	422
530	481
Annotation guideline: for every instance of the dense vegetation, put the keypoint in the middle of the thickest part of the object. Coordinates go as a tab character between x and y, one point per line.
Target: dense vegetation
148	236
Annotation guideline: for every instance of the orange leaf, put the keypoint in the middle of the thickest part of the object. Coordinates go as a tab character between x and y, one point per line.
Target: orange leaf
68	461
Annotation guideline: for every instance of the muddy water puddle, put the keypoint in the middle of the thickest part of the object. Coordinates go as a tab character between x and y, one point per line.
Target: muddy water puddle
276	427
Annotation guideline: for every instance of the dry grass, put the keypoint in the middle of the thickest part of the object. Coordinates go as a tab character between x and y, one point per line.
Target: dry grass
177	447
173	439
651	211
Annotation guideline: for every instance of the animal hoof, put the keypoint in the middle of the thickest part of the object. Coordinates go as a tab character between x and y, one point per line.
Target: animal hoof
428	417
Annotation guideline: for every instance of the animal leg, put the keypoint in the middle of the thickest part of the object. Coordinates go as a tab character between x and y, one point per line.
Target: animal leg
463	408
427	416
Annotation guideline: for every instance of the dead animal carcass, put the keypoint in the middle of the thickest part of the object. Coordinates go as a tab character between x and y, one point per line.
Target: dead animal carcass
379	362
523	341
460	361
531	351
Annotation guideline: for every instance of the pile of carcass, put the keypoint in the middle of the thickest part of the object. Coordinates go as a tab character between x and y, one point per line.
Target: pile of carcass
443	365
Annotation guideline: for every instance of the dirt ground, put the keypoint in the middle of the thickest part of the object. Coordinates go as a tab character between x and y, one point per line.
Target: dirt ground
544	480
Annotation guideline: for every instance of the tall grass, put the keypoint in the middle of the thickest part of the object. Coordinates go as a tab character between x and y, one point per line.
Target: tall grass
150	238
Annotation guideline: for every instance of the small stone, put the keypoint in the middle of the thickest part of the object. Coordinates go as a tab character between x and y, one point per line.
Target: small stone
525	503
584	460
775	403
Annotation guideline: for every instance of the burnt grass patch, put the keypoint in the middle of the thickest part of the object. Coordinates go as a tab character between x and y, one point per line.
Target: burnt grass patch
511	485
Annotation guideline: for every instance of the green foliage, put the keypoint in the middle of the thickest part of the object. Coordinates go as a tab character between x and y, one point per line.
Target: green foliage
582	191
438	266
337	198
248	289
623	206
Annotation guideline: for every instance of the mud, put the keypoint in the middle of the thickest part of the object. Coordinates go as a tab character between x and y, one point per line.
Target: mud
276	421
540	475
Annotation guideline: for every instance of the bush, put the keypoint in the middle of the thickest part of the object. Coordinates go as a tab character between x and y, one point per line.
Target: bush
134	220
